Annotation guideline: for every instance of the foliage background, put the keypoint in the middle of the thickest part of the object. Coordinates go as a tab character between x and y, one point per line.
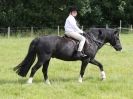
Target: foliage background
20	13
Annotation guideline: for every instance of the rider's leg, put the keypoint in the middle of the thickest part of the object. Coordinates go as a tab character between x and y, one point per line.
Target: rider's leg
81	44
81	39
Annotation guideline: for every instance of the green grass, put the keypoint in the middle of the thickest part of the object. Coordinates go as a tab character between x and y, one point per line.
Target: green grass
64	75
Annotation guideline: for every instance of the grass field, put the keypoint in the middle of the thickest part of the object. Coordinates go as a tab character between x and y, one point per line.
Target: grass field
64	75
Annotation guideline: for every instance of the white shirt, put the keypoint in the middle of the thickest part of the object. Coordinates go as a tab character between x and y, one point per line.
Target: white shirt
71	26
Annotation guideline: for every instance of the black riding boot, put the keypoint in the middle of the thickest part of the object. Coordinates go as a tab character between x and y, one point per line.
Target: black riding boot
79	54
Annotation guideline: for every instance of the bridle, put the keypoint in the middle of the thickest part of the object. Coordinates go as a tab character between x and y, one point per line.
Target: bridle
96	41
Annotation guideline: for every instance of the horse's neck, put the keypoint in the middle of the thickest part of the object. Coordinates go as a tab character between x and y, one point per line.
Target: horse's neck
94	40
102	43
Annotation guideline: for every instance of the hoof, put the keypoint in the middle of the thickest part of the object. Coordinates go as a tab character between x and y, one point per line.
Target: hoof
103	79
80	80
103	76
48	82
30	81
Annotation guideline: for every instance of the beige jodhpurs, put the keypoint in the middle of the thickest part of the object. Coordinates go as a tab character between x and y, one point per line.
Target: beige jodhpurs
78	37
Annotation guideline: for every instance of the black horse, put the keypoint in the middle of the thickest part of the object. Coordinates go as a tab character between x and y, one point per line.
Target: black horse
63	48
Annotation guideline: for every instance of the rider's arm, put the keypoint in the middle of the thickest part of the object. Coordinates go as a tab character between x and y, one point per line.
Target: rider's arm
74	25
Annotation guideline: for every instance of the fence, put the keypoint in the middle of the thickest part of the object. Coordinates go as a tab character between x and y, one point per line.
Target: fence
30	31
57	30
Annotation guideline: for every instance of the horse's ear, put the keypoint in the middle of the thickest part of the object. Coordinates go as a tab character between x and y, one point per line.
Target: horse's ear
100	32
116	32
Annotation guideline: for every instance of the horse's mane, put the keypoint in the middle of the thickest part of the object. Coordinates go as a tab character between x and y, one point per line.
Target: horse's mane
96	35
90	36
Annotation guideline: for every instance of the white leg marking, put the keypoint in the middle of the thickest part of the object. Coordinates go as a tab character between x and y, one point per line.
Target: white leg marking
103	75
80	79
48	82
30	80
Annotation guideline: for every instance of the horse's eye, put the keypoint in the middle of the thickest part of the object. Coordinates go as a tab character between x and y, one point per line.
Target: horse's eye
117	38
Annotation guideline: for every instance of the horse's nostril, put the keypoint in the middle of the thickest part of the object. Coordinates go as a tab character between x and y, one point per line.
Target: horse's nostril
120	48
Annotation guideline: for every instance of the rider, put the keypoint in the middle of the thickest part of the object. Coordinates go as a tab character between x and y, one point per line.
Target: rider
72	30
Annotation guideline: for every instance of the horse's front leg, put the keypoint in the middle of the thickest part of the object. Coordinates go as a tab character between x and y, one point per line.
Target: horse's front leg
82	70
95	62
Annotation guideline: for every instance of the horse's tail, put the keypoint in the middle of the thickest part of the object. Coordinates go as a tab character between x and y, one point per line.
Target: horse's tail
23	68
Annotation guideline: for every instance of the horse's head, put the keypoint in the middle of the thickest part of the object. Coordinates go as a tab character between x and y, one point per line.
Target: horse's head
113	39
103	36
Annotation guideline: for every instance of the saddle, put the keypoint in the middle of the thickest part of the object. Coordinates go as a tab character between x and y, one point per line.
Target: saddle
71	39
75	41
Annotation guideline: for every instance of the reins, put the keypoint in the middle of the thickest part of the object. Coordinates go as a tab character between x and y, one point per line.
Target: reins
96	41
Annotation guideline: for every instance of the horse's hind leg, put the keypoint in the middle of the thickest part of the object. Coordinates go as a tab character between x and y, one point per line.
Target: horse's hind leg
45	71
41	60
34	69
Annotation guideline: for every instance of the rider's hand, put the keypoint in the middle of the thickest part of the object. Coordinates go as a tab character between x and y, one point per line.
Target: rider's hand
82	33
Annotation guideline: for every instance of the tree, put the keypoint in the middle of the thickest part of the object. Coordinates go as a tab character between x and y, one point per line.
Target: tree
49	13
